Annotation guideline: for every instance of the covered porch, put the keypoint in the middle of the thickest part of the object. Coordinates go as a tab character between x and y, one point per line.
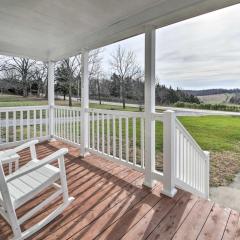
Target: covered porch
112	203
111	168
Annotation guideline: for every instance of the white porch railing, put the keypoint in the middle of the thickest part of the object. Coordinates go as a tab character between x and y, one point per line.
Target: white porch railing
20	124
191	163
67	124
116	135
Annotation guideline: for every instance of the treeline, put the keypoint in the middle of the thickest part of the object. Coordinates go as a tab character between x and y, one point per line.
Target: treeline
125	84
206	92
216	107
134	92
235	99
168	96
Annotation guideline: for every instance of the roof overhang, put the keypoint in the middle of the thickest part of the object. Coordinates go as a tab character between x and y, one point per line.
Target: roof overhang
56	29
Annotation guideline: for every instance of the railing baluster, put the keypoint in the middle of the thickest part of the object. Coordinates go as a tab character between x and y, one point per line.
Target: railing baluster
120	136
187	162
142	143
59	122
70	124
190	165
93	131
40	123
21	125
7	127
103	135
79	125
114	136
177	157
28	124
62	123
127	147
134	141
97	131
74	126
108	135
46	121
55	110
34	123
14	127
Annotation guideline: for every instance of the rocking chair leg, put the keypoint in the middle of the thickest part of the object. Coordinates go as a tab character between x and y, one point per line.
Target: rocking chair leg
63	180
17	233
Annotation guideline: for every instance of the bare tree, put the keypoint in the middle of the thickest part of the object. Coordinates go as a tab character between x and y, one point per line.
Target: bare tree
68	71
95	69
125	66
40	77
24	70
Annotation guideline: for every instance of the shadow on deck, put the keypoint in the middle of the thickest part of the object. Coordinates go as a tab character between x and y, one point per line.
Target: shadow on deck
110	203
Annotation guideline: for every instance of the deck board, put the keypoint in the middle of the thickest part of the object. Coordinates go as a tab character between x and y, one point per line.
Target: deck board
111	203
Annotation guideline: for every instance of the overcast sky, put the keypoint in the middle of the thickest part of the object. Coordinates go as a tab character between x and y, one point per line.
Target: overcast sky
203	52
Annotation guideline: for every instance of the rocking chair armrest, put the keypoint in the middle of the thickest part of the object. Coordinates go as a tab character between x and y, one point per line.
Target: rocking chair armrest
10	152
41	163
26	145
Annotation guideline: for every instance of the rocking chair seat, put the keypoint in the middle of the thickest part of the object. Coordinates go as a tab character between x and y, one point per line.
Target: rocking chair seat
26	187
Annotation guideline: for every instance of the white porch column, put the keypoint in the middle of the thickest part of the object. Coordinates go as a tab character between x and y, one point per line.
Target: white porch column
149	106
169	148
51	97
84	103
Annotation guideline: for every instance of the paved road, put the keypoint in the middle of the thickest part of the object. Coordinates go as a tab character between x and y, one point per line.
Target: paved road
179	111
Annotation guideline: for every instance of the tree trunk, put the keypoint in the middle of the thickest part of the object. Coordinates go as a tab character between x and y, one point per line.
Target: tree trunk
25	85
64	96
46	89
123	94
99	92
70	92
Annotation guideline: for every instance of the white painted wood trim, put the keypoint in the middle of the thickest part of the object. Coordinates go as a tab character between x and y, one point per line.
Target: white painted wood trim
149	153
51	66
84	103
169	153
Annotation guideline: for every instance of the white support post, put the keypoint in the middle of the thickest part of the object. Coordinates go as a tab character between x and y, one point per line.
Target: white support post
51	97
169	149
84	104
149	106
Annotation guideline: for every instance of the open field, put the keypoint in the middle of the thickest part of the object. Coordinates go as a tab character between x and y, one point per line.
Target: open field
216	98
218	134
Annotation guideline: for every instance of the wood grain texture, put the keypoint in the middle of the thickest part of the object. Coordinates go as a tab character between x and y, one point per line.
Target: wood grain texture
111	203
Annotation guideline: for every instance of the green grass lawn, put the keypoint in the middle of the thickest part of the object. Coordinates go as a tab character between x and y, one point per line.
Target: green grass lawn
215	133
218	134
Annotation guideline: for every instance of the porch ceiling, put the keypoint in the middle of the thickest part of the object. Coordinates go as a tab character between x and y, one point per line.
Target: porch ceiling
54	29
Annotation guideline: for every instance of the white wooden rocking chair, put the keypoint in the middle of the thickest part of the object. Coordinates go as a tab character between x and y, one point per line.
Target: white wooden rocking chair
27	182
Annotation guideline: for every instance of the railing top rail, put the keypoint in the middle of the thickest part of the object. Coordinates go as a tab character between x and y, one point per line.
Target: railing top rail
67	107
23	108
186	133
118	113
158	116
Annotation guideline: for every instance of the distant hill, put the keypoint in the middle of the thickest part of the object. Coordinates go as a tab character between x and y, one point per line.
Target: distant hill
214	91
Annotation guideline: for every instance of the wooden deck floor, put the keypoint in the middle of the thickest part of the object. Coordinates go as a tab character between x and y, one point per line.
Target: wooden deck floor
110	203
